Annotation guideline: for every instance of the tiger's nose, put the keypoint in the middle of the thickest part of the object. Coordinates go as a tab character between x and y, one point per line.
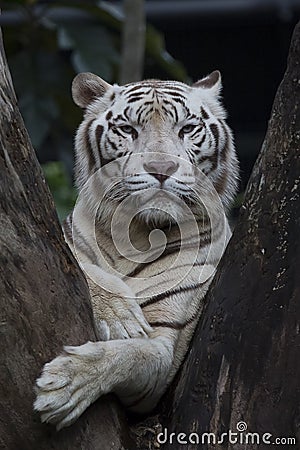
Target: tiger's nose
161	170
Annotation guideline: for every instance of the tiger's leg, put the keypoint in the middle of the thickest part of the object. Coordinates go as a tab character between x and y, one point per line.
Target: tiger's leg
135	369
117	314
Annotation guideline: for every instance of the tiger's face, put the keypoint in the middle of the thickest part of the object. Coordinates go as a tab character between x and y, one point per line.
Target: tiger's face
162	138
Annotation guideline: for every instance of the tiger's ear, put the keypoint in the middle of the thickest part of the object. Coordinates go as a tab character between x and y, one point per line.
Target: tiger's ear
212	82
87	87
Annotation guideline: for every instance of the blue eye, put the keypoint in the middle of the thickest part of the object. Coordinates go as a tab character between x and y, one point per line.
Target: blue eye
128	129
187	128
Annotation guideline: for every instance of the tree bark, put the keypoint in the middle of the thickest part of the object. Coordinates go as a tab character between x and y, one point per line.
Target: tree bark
44	298
244	361
133	41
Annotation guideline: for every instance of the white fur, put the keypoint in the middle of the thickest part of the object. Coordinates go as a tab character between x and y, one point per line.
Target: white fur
144	322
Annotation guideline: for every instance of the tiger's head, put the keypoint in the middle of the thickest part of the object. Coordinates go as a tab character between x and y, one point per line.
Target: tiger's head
165	137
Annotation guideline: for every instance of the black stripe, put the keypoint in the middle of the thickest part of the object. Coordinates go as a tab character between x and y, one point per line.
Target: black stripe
197	264
193	116
174	90
126	112
141	112
136	182
174	109
173	94
143	106
173	247
214	157
204	113
99	133
166	110
176	325
164	295
89	149
120	117
140	86
180	100
108	115
91	254
148	115
104	160
134	88
179	325
199	144
116	131
215	132
179	242
225	148
141	267
135	99
196	131
112	144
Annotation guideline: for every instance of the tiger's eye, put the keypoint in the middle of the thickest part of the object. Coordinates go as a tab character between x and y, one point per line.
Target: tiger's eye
186	129
128	129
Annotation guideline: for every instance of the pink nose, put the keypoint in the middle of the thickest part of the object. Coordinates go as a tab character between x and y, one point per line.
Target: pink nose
161	170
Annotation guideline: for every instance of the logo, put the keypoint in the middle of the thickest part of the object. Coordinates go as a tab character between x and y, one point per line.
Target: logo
238	436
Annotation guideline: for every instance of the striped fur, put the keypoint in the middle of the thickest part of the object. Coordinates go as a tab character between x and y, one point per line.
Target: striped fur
171	154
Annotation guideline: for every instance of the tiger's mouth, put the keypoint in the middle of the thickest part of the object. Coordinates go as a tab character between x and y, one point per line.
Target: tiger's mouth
152	199
160	205
169	194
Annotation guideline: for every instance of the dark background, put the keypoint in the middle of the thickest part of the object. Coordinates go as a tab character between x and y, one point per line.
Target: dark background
247	40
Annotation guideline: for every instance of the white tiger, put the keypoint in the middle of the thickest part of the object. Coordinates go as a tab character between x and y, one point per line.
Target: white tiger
151	157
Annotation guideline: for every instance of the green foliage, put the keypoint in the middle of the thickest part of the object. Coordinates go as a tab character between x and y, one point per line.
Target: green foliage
59	182
46	49
100	58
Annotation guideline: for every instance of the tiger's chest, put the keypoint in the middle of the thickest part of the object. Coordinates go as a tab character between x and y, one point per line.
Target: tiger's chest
152	265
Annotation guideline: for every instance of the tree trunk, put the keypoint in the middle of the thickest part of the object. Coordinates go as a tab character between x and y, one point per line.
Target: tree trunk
133	41
244	361
44	298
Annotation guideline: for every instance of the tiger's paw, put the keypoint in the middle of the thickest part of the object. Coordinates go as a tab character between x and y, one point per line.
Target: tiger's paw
70	383
124	319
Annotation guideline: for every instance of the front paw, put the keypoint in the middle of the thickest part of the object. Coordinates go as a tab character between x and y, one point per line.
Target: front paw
70	383
123	319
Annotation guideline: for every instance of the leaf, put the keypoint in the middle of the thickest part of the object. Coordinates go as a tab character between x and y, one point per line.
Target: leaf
112	18
93	48
38	114
61	188
36	78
